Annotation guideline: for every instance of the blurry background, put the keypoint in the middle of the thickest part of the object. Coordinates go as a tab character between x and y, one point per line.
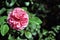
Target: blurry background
47	10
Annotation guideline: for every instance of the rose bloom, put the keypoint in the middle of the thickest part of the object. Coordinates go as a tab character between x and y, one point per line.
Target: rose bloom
18	19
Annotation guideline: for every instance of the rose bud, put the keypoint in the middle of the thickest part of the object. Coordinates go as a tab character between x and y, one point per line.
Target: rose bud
18	19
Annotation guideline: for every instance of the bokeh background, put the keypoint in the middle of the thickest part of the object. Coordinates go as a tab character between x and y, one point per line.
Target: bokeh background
46	11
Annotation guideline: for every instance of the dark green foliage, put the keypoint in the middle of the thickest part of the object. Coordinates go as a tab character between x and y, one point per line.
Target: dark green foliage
44	19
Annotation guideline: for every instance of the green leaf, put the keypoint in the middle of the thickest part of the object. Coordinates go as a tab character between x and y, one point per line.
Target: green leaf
0	29
22	32
9	10
23	39
2	10
25	8
27	28
42	7
38	26
10	37
51	32
18	38
32	26
31	38
58	6
12	2
31	15
4	29
39	20
32	30
50	37
2	20
28	34
27	3
7	4
40	36
33	20
58	27
34	33
45	32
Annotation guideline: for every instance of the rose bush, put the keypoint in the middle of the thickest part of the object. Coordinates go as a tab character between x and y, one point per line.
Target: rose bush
29	20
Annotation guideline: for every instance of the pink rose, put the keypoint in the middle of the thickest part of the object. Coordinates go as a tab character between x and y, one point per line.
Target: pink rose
18	18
